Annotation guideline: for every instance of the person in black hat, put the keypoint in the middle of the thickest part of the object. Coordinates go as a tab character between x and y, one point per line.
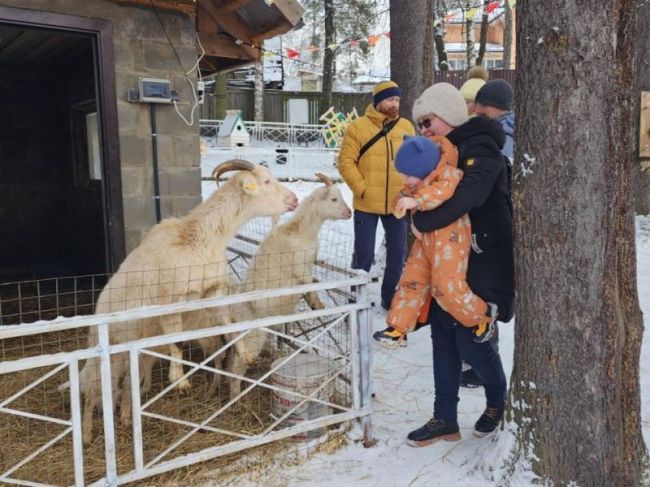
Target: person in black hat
494	100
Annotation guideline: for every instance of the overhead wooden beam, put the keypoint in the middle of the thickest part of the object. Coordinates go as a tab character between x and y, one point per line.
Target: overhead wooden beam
290	9
184	6
275	31
229	21
222	46
234	5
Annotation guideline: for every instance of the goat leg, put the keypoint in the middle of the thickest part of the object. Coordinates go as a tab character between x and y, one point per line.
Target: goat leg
176	369
236	365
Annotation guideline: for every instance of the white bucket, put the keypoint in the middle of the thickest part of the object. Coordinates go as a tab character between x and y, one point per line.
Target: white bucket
304	373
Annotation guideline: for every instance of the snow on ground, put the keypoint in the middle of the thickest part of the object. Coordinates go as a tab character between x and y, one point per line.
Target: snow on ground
403	387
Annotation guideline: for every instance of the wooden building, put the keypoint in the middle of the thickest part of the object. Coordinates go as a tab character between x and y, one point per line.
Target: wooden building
85	166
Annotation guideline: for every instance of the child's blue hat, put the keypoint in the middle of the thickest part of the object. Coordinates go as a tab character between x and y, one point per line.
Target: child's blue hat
417	156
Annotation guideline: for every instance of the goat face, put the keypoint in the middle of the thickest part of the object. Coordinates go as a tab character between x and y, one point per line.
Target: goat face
271	197
332	205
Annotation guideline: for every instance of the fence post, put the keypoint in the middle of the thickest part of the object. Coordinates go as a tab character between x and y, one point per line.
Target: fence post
136	413
75	413
107	405
355	359
365	356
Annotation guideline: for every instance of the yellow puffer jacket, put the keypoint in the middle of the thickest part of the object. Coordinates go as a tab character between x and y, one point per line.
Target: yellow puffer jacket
373	179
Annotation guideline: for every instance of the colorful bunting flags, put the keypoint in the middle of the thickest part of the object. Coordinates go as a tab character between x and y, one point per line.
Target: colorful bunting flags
292	53
492	6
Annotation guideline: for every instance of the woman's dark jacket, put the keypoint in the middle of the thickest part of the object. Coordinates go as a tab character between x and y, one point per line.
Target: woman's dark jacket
484	194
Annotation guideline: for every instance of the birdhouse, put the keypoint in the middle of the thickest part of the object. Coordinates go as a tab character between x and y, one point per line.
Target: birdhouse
232	132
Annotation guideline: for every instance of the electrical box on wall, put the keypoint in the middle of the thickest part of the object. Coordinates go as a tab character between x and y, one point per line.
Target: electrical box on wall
154	90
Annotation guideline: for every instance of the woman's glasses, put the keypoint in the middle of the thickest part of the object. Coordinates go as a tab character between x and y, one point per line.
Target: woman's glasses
425	124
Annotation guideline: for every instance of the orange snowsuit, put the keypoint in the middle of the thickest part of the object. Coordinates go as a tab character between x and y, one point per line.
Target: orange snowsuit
437	264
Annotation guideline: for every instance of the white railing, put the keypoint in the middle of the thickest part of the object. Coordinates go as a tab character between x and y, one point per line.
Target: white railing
354	365
272	134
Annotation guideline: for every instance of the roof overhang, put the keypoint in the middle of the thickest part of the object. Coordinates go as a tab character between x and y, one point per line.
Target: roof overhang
232	31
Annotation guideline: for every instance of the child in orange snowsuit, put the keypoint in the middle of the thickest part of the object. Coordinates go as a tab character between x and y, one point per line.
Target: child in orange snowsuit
437	264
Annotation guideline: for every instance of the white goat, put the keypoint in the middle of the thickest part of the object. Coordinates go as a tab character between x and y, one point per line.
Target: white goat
180	259
285	258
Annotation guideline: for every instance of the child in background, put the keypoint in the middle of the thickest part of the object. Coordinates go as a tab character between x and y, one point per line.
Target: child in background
437	264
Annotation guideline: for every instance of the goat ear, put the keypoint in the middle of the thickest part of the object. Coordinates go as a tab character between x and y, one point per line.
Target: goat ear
249	184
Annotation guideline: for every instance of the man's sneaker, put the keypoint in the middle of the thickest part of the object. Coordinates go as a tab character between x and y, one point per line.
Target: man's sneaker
390	338
484	330
488	421
435	430
470	380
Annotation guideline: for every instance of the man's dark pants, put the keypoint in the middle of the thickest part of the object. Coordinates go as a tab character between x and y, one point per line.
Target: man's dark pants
365	230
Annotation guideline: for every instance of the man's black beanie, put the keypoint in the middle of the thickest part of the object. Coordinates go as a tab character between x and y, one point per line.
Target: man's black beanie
496	93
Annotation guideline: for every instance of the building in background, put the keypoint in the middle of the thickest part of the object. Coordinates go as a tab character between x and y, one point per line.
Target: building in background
455	38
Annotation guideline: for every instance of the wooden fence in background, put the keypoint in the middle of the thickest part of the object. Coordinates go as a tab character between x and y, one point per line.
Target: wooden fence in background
276	101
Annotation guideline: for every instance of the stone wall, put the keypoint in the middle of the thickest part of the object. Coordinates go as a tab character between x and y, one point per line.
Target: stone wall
141	49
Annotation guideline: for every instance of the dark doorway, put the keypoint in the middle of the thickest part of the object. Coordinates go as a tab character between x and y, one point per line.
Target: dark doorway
57	207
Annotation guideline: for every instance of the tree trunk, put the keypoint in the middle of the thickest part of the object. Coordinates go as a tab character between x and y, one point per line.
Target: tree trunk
328	56
575	385
220	96
469	42
642	178
259	91
439	39
484	30
413	72
507	36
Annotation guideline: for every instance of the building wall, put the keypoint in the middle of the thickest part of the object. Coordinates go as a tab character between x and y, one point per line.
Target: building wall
142	50
456	33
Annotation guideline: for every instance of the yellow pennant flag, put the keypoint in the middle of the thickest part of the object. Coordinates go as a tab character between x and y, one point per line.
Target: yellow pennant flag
471	13
331	47
512	3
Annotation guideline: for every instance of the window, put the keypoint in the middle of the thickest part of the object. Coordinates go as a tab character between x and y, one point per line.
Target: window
494	63
86	152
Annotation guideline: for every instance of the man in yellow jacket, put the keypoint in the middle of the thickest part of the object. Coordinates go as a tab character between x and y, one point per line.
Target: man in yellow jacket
366	164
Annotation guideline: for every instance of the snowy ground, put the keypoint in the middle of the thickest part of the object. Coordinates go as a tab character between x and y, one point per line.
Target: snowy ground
403	386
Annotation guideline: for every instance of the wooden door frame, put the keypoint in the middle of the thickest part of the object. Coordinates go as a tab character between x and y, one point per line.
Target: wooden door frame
102	32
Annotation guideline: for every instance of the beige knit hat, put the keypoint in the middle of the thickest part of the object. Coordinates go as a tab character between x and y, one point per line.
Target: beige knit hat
444	101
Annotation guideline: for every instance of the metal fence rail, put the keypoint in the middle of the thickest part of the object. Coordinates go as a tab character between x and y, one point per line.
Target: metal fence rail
341	335
271	134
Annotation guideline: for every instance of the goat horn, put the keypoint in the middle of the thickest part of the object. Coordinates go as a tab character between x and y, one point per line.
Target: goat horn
324	179
232	165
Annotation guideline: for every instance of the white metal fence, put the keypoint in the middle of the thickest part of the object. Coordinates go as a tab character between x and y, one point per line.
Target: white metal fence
272	134
41	440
